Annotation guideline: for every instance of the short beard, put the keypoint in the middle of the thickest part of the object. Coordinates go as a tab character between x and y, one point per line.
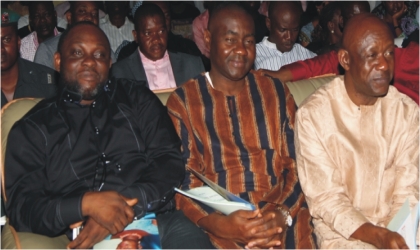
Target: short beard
86	94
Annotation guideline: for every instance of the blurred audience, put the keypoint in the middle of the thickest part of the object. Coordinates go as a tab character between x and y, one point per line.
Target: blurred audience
280	47
79	11
116	24
20	77
43	19
176	43
331	29
152	62
399	15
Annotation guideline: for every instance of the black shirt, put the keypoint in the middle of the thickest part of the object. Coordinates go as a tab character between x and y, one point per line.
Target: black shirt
55	151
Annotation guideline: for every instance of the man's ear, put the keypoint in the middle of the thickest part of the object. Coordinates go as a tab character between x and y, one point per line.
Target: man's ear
344	59
207	38
268	23
134	32
68	17
57	61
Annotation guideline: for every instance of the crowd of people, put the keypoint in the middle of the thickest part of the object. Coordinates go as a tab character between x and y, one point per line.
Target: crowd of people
102	150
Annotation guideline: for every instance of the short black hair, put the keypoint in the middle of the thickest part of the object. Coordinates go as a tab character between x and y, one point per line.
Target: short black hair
147	10
64	35
32	5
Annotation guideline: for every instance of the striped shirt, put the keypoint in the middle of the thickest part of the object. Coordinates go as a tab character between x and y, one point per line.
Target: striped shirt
245	144
117	35
268	57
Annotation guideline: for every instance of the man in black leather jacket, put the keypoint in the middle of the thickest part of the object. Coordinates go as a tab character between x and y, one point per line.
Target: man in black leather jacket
103	152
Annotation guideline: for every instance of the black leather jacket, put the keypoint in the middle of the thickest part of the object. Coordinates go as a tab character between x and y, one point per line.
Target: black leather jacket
61	149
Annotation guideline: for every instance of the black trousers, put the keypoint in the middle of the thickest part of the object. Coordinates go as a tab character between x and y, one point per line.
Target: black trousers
176	231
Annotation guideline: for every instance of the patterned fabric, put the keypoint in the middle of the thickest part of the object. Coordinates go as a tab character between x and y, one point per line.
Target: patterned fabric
408	21
268	57
29	44
245	144
356	164
117	35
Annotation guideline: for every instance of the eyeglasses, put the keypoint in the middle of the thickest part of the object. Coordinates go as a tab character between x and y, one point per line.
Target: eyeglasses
100	173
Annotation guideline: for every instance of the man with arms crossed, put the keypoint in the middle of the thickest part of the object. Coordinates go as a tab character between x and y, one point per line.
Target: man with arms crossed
236	128
357	144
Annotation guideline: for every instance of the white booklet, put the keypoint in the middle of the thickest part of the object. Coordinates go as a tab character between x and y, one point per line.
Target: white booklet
216	197
406	223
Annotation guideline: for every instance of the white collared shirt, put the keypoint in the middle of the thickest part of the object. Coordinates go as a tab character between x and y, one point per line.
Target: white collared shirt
268	57
117	35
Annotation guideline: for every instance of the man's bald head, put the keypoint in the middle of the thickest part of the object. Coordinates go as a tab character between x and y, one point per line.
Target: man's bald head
367	56
278	7
360	26
225	7
283	22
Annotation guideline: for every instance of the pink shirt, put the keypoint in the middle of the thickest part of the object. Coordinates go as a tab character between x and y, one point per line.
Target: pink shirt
159	73
29	44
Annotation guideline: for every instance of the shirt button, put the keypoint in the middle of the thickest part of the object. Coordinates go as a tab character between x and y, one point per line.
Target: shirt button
97	130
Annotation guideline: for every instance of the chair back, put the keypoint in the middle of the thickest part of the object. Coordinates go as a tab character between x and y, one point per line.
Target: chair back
10	113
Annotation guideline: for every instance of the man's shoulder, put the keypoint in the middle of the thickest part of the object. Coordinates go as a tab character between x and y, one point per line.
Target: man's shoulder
183	56
36	71
28	38
395	98
52	42
324	94
128	60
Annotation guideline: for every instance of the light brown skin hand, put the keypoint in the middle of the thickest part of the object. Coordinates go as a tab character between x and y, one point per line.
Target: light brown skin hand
244	227
91	234
397	16
283	74
109	209
269	234
380	237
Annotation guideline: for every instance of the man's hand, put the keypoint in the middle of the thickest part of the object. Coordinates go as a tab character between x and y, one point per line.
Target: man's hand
397	16
283	74
268	234
109	209
240	226
91	234
380	237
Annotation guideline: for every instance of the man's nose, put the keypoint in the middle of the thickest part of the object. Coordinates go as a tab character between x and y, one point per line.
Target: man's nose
288	35
240	48
383	63
89	60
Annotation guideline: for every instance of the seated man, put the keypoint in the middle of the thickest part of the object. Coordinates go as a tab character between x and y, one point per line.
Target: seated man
43	19
79	11
280	47
406	76
357	144
103	152
116	24
20	77
236	128
152	62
